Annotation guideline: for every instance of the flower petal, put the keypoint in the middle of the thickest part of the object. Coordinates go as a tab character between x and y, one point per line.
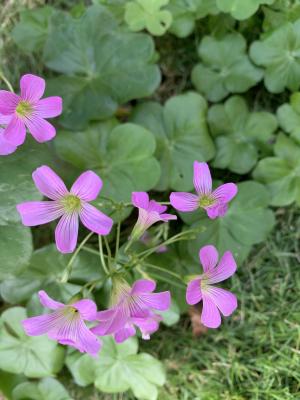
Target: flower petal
49	183
5	119
66	233
124	333
168	217
5	146
39	325
15	132
117	321
35	213
87	309
218	210
183	201
193	292
210	316
95	220
32	87
140	199
155	206
202	178
47	302
158	301
225	193
40	129
143	286
147	326
49	107
87	186
208	257
225	269
8	102
224	300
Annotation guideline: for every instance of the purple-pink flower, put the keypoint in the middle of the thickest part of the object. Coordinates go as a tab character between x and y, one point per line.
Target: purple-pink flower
133	306
69	206
149	212
28	110
215	299
213	202
66	324
5	146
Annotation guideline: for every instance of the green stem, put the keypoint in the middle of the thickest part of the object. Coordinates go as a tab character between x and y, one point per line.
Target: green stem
69	266
101	254
118	239
164	270
108	251
6	81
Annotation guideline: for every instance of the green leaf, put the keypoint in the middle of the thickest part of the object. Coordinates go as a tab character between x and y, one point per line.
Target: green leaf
122	155
8	382
46	389
103	65
172	315
279	53
283	11
289	116
281	174
181	134
116	7
225	67
241	9
241	227
148	14
35	357
15	249
119	368
30	33
239	134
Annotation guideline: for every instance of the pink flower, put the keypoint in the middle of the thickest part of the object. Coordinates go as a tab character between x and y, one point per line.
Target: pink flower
66	324
5	146
149	213
133	307
215	300
69	206
28	111
213	202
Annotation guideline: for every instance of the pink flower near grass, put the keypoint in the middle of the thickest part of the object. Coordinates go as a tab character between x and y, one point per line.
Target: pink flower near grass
215	203
150	212
66	324
28	110
69	206
215	300
133	306
5	146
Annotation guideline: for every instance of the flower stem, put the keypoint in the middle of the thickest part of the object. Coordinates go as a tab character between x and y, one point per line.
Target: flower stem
164	270
6	81
118	239
69	266
101	254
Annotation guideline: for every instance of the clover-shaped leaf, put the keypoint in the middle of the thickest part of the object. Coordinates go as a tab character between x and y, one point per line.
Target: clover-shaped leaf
241	9
181	134
241	227
279	53
289	116
140	373
35	357
281	174
116	7
148	14
46	389
225	67
103	65
239	134
282	12
121	154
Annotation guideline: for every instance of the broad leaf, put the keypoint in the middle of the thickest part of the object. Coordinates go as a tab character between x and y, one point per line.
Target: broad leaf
119	368
241	9
283	11
116	7
8	382
35	357
281	174
289	116
46	389
181	134
103	65
225	67
122	155
240	135
279	53
148	14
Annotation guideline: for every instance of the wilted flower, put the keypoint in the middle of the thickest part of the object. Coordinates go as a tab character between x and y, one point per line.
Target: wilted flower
149	213
133	306
213	202
27	110
215	300
66	324
69	206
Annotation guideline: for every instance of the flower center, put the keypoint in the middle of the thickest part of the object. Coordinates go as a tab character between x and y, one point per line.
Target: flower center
71	203
206	201
24	108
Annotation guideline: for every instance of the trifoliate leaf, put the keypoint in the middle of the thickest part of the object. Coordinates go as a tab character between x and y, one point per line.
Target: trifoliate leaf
239	134
46	389
35	357
181	134
241	9
289	116
103	65
281	174
279	53
225	67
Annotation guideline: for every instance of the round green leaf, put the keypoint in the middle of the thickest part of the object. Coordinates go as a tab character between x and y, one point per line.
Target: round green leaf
181	134
241	9
46	389
289	116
